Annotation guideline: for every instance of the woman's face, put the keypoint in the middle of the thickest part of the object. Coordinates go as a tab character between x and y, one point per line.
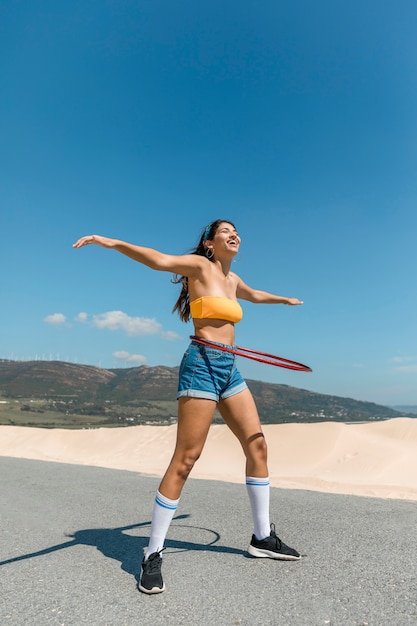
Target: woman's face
226	239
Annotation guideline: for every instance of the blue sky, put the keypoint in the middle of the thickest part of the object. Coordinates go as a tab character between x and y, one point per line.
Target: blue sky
146	120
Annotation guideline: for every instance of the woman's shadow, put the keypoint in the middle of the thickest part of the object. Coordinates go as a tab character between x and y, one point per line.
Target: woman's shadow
118	544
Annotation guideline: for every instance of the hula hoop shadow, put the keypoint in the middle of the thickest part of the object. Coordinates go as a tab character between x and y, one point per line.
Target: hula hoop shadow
117	544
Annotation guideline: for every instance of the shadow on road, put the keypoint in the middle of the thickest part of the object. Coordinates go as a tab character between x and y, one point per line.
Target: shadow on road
117	544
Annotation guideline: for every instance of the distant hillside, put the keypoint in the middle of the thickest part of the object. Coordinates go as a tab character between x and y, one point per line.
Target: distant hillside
406	408
51	393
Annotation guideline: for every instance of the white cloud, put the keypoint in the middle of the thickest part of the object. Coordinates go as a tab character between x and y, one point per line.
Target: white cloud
407	368
55	319
405	364
403	359
122	355
82	317
170	335
117	320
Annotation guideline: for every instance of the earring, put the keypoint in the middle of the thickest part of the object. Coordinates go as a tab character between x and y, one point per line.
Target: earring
207	253
237	259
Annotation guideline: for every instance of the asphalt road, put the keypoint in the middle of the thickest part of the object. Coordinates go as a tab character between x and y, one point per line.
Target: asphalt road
72	538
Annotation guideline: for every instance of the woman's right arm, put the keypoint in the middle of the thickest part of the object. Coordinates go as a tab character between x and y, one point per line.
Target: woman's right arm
185	265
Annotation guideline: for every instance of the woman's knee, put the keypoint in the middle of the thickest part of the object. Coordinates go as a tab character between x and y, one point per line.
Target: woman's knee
186	461
257	448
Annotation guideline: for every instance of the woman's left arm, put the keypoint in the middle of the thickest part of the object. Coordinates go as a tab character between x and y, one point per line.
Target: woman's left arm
244	292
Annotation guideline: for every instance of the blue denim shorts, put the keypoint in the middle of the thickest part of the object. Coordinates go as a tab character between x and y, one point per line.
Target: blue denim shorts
209	373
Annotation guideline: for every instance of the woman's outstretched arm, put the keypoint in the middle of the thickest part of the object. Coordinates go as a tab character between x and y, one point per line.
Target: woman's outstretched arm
185	265
257	296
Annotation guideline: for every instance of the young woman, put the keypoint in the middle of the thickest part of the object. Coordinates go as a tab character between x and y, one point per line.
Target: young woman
208	378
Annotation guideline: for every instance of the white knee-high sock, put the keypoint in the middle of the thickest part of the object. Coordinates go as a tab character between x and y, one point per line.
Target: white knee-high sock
163	512
258	492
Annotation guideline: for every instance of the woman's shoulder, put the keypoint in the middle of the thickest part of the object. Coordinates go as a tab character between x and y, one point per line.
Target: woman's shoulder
233	276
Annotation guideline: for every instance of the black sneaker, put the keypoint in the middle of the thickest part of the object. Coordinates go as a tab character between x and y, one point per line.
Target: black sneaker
151	577
272	548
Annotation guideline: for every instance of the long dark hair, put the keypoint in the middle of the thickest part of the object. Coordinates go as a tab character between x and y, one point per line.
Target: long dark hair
182	305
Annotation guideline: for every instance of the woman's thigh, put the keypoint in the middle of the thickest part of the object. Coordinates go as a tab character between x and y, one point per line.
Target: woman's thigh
241	416
194	419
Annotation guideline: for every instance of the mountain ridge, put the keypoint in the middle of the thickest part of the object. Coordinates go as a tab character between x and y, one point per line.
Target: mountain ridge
119	394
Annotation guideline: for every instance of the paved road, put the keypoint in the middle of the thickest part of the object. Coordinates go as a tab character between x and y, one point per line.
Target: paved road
72	537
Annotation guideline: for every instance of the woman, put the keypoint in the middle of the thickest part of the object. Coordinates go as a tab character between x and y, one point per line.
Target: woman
208	378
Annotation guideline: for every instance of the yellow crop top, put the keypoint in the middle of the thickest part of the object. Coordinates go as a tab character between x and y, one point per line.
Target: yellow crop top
216	307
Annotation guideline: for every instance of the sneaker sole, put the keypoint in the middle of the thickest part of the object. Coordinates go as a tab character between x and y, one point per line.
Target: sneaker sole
267	554
151	591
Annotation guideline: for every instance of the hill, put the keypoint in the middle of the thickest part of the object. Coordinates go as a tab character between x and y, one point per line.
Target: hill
55	393
406	408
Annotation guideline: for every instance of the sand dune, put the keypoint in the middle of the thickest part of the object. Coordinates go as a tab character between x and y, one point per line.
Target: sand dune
373	459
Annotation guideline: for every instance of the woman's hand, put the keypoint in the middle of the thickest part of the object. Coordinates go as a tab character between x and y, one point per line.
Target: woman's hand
294	301
105	242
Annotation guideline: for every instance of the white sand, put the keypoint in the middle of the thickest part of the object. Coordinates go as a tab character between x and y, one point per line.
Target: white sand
374	459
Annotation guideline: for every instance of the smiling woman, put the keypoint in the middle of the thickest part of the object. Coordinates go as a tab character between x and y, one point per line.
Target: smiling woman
208	378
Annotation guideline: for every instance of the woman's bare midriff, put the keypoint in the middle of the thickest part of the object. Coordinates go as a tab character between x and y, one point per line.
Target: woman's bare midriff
215	330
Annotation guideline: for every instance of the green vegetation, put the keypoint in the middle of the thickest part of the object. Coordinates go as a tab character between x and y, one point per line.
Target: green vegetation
67	413
52	394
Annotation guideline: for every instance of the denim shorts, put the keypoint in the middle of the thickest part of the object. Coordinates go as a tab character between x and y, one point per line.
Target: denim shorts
209	373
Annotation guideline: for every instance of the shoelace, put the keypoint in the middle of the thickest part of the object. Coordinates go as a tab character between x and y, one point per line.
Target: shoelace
153	563
274	535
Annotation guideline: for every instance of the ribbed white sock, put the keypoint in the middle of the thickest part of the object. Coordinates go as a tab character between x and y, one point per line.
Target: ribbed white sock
163	512
258	492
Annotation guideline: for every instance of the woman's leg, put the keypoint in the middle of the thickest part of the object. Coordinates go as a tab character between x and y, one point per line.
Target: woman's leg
194	418
240	414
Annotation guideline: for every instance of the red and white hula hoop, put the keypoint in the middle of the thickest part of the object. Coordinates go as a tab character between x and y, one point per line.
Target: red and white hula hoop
255	355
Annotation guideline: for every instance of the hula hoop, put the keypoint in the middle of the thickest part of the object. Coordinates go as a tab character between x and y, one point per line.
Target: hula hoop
255	355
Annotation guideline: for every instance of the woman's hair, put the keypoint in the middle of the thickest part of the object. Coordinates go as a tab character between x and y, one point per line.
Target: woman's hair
182	305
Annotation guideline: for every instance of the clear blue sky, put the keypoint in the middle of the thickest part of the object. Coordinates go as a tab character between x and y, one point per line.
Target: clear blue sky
144	120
